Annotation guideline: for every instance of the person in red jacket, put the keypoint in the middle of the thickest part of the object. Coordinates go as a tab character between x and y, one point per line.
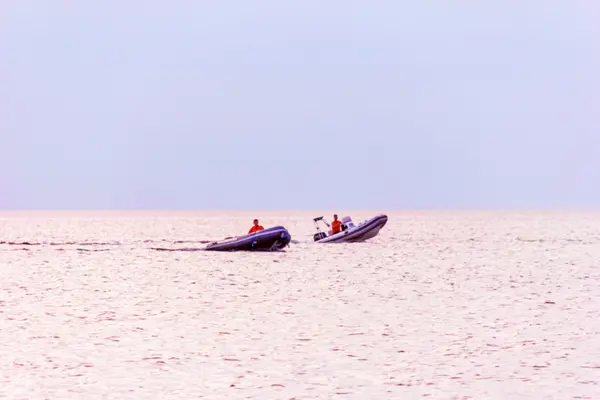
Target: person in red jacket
256	227
336	225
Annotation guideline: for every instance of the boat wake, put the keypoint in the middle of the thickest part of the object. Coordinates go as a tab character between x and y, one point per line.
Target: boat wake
89	246
9	243
300	241
180	249
177	241
103	246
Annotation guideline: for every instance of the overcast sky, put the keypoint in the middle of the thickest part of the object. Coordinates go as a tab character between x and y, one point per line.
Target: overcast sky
299	104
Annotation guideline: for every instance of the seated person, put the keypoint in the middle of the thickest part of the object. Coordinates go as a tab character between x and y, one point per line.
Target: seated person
256	227
336	225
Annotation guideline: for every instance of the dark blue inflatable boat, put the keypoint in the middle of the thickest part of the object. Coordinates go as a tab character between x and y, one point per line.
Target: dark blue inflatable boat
271	239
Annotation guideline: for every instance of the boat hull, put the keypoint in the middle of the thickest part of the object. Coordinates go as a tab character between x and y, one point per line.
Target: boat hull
271	239
362	232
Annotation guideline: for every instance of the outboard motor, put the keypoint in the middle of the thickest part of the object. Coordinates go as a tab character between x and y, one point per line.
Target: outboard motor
319	235
347	223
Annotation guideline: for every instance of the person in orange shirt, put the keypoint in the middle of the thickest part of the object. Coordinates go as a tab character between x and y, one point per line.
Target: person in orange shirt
256	227
336	225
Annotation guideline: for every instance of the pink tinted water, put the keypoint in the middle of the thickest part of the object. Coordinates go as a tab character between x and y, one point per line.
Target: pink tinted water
440	305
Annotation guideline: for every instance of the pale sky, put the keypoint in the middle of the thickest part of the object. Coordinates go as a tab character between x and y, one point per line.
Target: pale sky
299	104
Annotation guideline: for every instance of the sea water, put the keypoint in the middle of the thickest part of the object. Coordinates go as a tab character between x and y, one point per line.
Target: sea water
440	305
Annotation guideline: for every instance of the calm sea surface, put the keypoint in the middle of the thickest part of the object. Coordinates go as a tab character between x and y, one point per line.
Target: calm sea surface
441	305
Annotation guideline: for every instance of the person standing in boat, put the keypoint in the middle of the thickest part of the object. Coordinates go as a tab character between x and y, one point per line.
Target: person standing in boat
336	225
256	227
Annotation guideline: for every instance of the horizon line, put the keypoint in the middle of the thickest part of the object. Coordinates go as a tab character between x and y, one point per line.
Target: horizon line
326	209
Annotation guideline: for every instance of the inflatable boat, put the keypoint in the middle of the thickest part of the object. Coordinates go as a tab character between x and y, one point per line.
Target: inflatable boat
272	239
350	232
